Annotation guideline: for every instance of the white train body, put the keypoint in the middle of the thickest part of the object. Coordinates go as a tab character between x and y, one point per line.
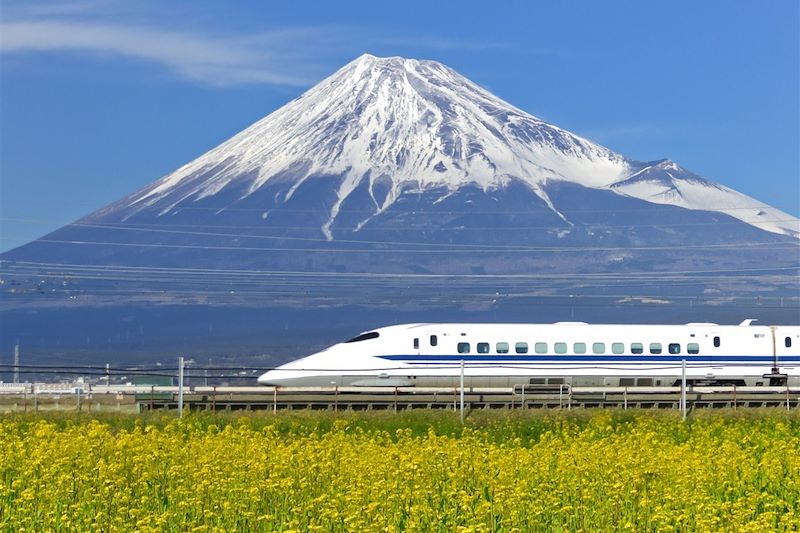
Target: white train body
505	355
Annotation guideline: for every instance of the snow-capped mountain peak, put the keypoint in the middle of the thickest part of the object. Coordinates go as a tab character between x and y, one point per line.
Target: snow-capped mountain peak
390	124
666	182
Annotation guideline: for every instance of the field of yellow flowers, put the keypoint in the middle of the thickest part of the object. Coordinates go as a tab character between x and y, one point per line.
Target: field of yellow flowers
412	472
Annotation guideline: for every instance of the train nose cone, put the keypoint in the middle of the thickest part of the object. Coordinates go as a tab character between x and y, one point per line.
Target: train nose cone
285	375
272	378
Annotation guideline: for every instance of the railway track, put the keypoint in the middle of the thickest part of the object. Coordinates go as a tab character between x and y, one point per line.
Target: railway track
529	397
232	398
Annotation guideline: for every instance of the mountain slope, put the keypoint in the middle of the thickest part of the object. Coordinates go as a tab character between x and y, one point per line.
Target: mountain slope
664	182
405	166
382	126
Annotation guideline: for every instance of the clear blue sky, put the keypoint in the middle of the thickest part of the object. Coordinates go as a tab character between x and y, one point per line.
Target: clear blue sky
100	98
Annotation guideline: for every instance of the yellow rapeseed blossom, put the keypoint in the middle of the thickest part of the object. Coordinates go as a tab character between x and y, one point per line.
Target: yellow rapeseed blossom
598	473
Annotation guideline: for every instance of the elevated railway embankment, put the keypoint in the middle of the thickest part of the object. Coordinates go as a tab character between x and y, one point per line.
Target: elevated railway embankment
139	398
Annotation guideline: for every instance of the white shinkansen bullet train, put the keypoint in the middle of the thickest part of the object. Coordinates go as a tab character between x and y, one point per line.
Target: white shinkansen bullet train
575	353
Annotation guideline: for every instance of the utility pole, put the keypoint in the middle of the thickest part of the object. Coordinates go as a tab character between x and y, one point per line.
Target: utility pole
108	375
683	388
462	391
180	387
16	364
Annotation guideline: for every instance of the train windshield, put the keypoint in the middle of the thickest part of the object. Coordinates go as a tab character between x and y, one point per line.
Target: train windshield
365	336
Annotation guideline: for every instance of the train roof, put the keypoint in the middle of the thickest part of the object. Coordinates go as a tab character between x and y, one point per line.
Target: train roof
429	325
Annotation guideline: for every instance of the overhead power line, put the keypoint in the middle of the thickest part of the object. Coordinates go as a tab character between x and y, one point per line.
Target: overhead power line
651	207
473	249
411	227
403	275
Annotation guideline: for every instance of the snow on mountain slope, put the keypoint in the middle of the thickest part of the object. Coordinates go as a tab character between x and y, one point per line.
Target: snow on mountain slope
420	124
665	182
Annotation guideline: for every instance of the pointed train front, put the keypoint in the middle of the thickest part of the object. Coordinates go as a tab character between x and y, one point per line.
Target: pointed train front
579	354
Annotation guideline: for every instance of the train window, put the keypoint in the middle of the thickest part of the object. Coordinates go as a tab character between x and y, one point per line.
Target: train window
693	348
540	347
655	347
674	348
483	347
617	348
716	342
560	347
365	337
416	343
434	340
787	342
599	347
463	347
626	382
579	347
502	347
521	347
637	348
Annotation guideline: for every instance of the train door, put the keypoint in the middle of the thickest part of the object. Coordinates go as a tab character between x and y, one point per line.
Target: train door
789	347
786	347
714	346
787	341
431	341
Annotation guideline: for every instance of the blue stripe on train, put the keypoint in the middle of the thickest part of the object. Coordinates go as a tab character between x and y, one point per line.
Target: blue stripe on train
721	359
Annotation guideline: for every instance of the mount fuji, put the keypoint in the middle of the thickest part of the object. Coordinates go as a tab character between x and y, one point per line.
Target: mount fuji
391	144
381	128
402	167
